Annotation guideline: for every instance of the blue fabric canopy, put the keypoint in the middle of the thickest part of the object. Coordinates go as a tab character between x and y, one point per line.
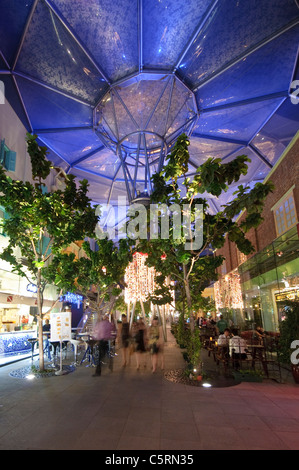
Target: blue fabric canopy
109	86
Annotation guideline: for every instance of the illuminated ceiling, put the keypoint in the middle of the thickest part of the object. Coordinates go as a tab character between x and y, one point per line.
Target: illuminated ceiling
108	86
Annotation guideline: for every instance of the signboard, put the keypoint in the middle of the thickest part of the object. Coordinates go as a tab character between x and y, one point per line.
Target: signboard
290	295
72	298
60	326
32	288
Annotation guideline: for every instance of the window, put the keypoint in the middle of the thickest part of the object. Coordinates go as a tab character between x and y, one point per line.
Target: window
223	267
44	189
7	157
285	213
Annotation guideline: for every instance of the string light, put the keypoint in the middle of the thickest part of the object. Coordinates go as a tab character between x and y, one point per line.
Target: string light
228	292
139	278
140	281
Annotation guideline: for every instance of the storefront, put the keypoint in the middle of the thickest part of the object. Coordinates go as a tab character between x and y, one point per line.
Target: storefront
269	279
18	315
256	293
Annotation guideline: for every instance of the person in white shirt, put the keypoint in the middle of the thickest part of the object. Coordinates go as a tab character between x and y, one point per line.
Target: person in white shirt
223	339
237	348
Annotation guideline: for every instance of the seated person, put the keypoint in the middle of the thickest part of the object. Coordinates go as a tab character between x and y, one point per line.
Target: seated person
223	339
237	348
260	332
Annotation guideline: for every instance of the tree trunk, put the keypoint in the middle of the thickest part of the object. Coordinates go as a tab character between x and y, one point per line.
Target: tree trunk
40	322
188	297
164	323
142	308
132	315
41	343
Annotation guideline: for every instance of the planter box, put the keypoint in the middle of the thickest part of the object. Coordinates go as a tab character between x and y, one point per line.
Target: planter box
243	377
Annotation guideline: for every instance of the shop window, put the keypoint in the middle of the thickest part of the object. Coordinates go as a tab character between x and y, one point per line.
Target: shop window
223	268
285	214
7	157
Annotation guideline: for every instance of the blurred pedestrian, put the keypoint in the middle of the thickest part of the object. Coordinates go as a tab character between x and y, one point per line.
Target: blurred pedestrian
156	343
104	332
124	339
46	337
140	342
221	325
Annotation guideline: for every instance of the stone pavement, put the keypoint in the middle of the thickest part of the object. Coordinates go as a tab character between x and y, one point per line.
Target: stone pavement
137	410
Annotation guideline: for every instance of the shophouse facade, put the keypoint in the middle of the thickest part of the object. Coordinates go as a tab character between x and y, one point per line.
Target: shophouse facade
252	290
18	305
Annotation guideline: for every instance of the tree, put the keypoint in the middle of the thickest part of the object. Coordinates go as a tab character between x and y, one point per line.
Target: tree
41	225
190	266
104	270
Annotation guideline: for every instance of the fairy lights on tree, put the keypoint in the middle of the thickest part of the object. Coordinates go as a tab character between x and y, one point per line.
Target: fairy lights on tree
141	283
139	278
228	292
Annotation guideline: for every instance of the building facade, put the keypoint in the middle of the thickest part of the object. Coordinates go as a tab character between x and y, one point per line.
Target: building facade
252	290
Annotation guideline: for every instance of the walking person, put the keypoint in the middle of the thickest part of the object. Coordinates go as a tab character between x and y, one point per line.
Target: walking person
104	332
140	342
156	344
46	337
221	325
124	339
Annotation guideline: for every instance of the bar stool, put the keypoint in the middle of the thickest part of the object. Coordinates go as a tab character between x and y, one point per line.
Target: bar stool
32	341
89	350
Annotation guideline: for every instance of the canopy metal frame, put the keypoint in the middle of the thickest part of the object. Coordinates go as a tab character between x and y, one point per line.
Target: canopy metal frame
117	143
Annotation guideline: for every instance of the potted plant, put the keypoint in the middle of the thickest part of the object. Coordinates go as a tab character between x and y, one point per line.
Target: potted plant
289	334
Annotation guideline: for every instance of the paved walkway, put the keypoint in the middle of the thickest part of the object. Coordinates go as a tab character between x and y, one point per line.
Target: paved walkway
138	410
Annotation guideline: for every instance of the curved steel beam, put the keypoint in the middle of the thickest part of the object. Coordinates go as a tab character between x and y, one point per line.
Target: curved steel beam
140	35
196	32
220	139
52	130
257	99
51	88
260	155
33	8
90	154
91	172
248	52
22	103
76	39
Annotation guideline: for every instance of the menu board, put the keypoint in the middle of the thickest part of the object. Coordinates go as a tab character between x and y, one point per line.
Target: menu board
60	326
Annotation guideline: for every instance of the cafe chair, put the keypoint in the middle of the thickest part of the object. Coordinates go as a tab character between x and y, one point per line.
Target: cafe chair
33	342
75	344
89	353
